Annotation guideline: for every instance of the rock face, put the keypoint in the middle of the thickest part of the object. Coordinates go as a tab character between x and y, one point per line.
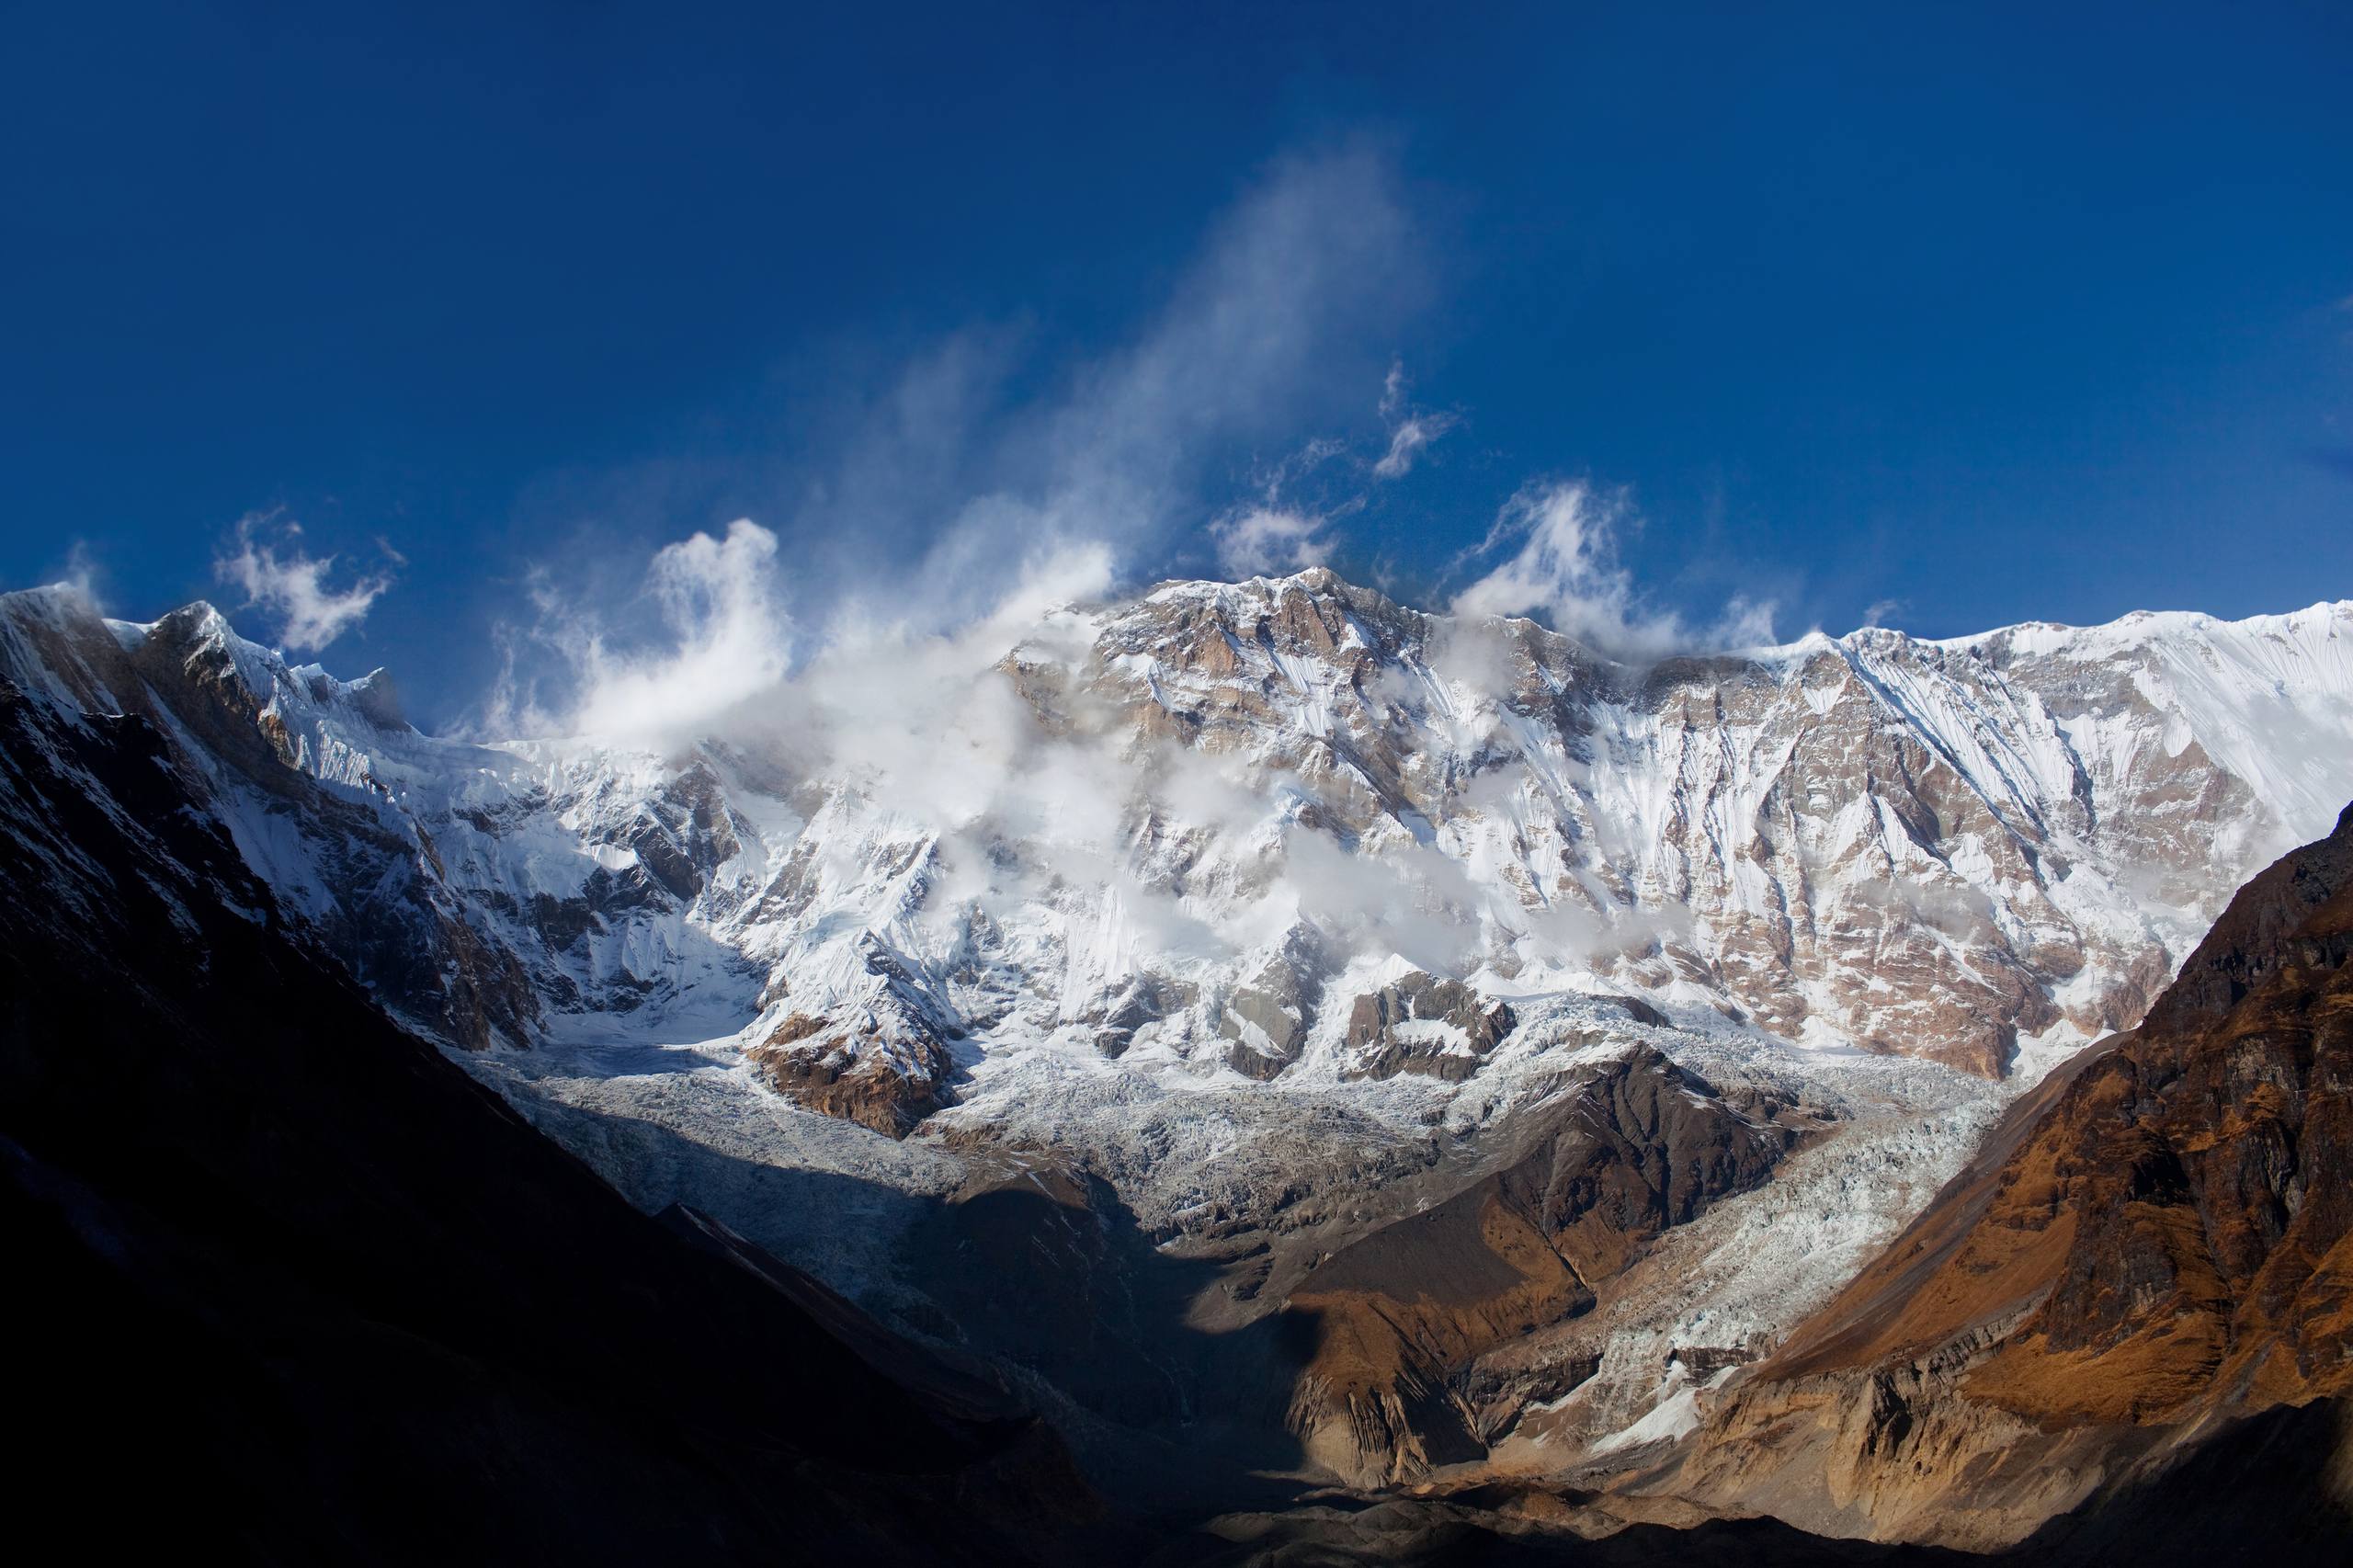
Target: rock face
2160	1243
1933	849
852	1071
1842	819
476	892
1266	1018
1422	1023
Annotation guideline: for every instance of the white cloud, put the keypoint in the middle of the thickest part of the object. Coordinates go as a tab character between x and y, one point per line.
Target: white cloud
1744	623
83	571
1274	535
292	585
1257	339
1566	572
939	496
725	639
1271	540
1406	440
1409	432
972	481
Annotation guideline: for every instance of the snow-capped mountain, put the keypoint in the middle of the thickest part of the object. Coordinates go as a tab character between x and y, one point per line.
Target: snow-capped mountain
1197	829
1289	912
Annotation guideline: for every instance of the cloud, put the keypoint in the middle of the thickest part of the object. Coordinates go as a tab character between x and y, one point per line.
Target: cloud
1744	623
1409	432
970	479
1271	540
1566	572
292	585
1319	249
1406	440
81	575
707	649
1258	339
1275	535
728	639
930	480
1880	611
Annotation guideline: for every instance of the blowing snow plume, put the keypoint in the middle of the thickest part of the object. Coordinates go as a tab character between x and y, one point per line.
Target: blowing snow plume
724	637
932	489
1565	570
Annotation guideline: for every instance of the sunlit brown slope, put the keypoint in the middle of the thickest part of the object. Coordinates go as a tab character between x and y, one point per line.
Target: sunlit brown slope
2158	1243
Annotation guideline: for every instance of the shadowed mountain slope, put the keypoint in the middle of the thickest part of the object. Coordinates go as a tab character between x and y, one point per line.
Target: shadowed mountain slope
298	1289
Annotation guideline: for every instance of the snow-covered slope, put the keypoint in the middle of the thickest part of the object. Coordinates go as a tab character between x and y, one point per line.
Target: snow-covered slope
1196	830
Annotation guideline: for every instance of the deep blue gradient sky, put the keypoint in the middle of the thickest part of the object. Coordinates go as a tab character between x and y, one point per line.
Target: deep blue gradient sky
1989	312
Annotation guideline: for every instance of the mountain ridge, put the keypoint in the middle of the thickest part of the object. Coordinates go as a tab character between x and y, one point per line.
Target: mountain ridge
1747	969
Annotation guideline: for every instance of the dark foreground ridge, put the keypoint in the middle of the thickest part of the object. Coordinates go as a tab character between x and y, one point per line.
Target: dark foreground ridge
296	1288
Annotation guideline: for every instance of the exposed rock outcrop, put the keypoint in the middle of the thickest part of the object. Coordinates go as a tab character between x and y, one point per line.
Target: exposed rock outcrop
884	1063
1266	1018
1442	1029
1637	1146
851	1071
2158	1243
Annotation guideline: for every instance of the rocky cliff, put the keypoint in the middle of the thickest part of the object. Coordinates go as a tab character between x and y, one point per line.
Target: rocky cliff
1393	1322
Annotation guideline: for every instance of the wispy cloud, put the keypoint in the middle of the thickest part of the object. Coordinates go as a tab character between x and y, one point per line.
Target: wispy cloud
726	639
1564	568
974	478
285	581
1278	533
82	573
1410	432
1271	540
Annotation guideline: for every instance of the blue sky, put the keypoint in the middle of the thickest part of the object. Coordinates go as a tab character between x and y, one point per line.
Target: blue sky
1945	316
